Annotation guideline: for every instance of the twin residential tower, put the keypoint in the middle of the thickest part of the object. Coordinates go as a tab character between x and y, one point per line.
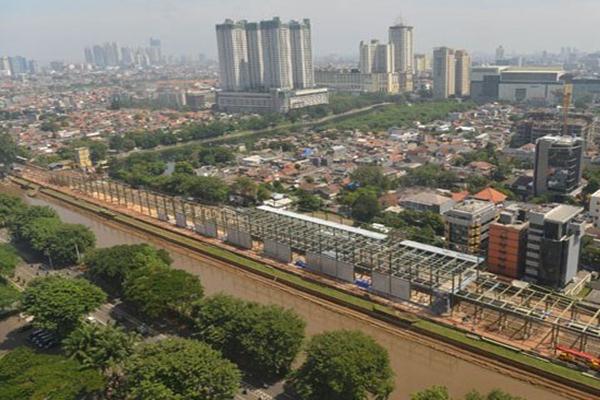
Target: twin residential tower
260	56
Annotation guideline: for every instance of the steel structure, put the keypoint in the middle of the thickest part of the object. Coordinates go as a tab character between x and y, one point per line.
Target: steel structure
397	269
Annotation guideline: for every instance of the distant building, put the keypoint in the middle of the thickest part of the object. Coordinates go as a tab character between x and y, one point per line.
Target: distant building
508	244
485	81
376	57
499	53
467	225
82	157
595	208
266	66
558	165
421	64
401	39
463	73
444	73
354	81
553	244
541	85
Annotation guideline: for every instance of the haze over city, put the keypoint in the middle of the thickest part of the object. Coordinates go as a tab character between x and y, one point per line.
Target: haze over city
59	29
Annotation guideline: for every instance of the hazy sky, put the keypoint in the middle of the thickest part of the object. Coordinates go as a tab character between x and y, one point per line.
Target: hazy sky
60	29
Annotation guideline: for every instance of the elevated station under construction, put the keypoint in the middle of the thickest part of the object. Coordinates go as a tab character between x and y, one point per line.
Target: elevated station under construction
448	285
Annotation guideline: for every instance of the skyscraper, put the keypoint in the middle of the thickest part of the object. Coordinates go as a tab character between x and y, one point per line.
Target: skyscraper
155	51
266	66
499	53
401	37
233	55
444	73
277	53
463	73
301	51
376	57
256	68
89	56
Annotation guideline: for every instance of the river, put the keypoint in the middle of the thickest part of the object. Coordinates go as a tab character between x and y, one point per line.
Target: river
416	365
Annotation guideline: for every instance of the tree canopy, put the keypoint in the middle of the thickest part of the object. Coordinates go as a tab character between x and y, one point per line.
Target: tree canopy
9	205
114	263
343	365
441	393
8	151
180	369
160	290
9	258
58	303
262	340
26	375
99	346
365	205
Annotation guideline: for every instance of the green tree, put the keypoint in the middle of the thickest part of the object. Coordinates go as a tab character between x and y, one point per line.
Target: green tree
263	340
180	369
365	205
62	243
26	375
113	264
343	365
99	346
184	167
9	205
23	217
308	202
8	152
245	188
158	291
98	151
370	175
433	393
58	303
9	258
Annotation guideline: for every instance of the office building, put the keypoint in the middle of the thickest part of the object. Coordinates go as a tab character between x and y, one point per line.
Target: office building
421	64
266	66
558	165
376	57
463	73
595	209
467	225
553	244
508	244
444	73
401	38
354	81
485	81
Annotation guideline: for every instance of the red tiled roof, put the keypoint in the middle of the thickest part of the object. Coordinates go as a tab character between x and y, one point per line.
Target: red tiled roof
490	194
460	196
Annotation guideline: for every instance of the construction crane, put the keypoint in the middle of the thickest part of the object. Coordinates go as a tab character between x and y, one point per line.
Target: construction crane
567	96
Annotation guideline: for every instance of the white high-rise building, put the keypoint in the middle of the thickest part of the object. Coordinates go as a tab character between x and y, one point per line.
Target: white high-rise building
444	73
376	57
277	59
401	36
301	52
266	66
256	70
233	55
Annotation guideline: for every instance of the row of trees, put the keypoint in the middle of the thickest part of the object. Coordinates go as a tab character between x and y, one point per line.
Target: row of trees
41	230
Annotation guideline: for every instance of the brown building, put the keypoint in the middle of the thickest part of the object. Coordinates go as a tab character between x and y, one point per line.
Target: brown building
507	245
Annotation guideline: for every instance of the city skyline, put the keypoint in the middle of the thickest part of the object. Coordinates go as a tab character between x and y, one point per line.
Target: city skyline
62	29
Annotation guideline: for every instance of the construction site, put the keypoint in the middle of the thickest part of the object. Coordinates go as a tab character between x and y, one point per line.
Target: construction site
444	285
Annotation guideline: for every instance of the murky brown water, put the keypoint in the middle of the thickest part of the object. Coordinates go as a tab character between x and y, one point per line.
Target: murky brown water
416	366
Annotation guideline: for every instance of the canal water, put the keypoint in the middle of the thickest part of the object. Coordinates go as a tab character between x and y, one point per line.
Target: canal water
416	365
